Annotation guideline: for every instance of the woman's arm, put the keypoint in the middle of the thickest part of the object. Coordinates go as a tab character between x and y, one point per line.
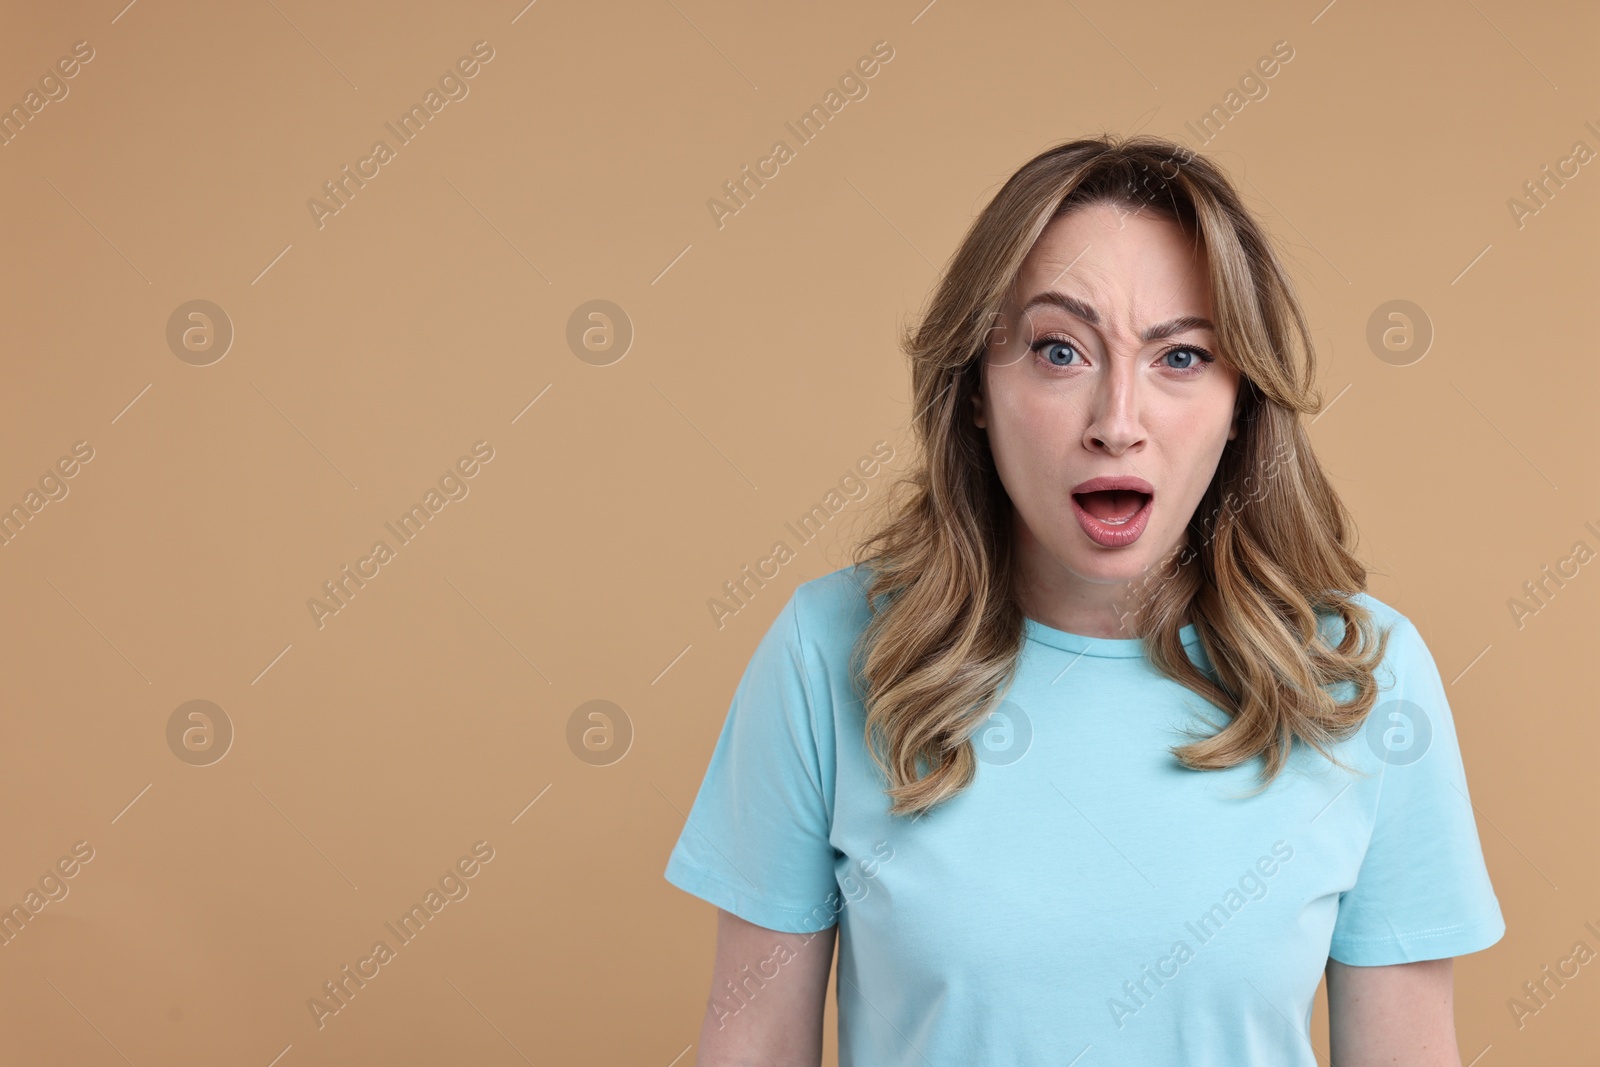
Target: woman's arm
1402	1014
768	989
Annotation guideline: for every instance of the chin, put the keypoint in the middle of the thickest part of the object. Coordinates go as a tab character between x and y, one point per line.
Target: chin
1107	566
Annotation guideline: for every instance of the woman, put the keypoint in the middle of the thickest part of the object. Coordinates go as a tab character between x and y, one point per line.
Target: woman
1099	753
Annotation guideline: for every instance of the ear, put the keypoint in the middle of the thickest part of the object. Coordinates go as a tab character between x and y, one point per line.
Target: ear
1238	406
994	335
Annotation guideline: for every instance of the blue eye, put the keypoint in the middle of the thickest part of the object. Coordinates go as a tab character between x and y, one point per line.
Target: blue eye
1059	352
1048	345
1196	357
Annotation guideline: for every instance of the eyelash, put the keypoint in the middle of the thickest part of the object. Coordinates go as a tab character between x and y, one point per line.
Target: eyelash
1206	357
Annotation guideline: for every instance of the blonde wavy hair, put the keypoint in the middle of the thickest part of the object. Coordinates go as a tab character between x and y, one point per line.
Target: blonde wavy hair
1257	568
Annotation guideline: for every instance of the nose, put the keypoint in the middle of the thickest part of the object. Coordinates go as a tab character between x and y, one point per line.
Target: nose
1114	425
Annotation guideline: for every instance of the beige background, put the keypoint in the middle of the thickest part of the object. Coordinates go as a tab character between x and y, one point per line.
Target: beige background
431	312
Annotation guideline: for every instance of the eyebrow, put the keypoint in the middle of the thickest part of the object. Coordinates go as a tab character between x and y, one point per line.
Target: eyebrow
1073	306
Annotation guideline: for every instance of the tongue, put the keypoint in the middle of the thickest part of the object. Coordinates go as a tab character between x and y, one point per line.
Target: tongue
1111	505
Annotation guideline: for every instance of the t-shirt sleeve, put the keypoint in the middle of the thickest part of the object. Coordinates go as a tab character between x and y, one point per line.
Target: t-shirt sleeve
756	842
1423	891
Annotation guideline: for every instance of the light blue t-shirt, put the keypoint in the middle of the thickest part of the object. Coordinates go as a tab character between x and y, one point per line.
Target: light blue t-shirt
1086	900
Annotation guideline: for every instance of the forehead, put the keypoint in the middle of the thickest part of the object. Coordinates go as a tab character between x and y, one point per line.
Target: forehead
1116	258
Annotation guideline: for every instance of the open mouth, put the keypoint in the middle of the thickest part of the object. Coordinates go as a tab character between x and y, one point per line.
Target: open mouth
1114	515
1113	507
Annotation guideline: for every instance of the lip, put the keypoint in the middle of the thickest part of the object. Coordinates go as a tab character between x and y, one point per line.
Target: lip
1123	534
1115	481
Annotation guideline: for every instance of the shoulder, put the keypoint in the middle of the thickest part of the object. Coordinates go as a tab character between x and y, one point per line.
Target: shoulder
1383	615
1411	709
823	624
826	616
1405	642
808	645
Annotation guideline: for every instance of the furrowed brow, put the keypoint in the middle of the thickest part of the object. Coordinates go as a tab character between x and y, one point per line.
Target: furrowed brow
1073	306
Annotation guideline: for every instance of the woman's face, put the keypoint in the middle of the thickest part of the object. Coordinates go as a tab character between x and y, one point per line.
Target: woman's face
1102	367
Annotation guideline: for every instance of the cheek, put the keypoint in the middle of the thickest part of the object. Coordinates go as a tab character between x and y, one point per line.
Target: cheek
1029	429
1195	440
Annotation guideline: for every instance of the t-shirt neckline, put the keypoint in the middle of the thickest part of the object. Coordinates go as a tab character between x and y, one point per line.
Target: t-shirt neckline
1106	647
